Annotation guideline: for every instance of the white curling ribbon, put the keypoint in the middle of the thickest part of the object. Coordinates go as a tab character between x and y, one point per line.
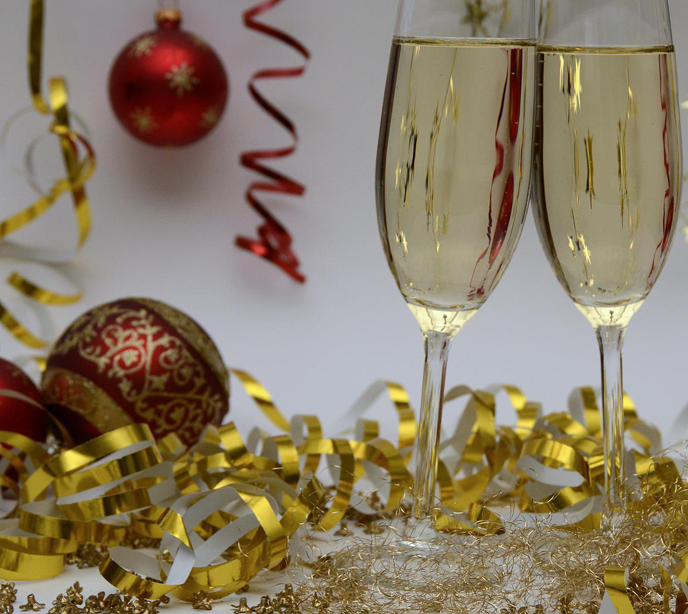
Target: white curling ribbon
204	449
680	425
12	249
197	507
143	564
28	170
114	456
571	515
165	492
298	431
278	488
607	607
498	390
578	512
464	428
255	439
652	434
543	425
270	450
51	507
359	408
16	251
333	466
576	405
48	508
226	537
159	470
183	557
562	478
376	481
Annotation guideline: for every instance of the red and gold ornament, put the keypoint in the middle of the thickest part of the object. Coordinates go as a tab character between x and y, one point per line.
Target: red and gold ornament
21	407
136	361
167	86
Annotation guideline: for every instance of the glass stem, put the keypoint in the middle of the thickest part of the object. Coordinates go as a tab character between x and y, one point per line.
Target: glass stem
437	347
610	339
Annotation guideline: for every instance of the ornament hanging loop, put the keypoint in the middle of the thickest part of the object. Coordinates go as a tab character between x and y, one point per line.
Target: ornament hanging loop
168	16
168	19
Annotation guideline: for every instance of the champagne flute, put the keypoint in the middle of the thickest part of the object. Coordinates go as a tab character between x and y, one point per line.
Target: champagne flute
453	175
608	174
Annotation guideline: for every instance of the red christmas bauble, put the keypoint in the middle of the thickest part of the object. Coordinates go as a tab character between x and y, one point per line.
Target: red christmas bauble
21	407
167	86
136	361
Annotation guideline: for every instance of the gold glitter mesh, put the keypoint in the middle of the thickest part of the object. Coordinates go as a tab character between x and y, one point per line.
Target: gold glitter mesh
534	568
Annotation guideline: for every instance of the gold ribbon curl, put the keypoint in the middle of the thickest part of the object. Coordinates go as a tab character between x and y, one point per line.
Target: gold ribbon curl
77	173
224	511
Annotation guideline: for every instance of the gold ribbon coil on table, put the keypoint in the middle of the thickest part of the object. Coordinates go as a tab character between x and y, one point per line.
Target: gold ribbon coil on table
77	173
223	511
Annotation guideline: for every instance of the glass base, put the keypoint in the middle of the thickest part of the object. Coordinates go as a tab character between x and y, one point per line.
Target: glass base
416	537
403	555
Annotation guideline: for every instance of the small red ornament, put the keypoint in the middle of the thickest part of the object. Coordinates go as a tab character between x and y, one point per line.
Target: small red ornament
167	86
21	407
136	361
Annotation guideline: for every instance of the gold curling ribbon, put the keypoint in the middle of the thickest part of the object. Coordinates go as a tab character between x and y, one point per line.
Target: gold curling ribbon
187	498
262	397
405	414
77	173
27	288
616	584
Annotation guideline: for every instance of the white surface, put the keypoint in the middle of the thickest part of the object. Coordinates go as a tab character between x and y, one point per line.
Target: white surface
165	221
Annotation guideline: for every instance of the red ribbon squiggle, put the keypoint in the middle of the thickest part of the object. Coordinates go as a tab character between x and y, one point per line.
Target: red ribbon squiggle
274	241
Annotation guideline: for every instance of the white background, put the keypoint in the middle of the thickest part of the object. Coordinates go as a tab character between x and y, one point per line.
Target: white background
165	222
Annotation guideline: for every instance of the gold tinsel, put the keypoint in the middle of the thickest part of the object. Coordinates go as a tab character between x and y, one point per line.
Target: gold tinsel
529	568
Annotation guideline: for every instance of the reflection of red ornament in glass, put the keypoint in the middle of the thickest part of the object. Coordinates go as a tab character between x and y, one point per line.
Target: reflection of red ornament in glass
136	361
21	415
167	86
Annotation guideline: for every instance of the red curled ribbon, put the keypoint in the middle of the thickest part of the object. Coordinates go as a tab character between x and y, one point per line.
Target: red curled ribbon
274	240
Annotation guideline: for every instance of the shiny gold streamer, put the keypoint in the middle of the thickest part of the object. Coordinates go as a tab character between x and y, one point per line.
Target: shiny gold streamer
186	498
77	173
616	583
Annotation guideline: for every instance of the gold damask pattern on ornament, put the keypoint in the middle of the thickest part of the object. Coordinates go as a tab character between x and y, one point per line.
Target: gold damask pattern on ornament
131	342
81	395
196	337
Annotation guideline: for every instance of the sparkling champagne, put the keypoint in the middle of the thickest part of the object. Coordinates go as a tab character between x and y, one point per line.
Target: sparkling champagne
608	173
453	170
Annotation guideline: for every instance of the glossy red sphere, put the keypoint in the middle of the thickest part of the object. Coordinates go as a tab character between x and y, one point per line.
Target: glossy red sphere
21	415
167	86
136	361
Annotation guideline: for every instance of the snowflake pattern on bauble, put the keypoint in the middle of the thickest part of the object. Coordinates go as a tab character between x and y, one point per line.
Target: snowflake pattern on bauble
181	78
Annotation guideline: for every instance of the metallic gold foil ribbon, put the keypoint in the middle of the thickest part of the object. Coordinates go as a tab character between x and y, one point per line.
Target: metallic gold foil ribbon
616	585
224	511
77	172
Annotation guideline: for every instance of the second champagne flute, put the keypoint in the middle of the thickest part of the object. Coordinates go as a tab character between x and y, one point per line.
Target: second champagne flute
608	174
453	175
